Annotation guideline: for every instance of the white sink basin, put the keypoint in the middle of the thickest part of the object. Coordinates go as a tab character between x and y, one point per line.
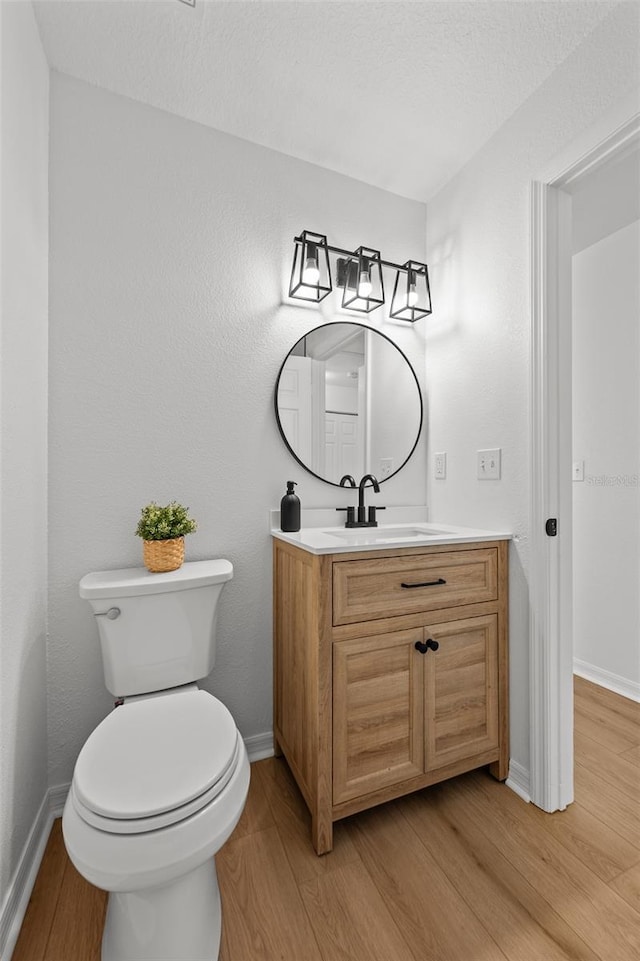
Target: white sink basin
382	535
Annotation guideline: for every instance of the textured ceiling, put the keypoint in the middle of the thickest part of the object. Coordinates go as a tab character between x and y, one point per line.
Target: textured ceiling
397	94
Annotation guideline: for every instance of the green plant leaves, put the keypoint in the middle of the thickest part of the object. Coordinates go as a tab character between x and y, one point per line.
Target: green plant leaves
162	523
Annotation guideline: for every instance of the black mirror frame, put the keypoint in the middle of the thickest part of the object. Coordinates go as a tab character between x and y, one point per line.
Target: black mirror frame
409	365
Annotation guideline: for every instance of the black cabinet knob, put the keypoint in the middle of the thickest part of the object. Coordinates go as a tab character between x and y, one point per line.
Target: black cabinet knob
428	645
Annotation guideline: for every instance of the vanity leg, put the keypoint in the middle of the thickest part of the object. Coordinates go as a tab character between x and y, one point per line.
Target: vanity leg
277	750
321	833
500	768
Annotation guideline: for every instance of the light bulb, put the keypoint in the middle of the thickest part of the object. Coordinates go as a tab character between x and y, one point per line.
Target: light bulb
364	285
412	292
310	273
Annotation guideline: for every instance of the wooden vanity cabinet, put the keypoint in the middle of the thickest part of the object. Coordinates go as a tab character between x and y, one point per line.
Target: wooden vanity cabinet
390	671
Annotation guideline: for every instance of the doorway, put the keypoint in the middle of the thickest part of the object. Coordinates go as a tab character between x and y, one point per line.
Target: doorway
551	586
606	425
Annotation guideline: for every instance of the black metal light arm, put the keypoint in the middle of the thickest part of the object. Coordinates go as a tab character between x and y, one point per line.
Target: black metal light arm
352	254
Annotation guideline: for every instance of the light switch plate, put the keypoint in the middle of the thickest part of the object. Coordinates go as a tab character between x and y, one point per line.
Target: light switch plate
386	467
489	464
578	470
440	465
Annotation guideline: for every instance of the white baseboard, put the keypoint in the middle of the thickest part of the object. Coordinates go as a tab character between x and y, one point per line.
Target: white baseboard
519	781
259	746
15	903
613	682
57	797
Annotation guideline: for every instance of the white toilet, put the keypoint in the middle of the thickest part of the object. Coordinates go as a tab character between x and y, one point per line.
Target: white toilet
161	783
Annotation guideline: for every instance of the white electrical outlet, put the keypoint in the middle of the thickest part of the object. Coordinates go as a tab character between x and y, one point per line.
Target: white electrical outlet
489	464
386	467
578	470
440	465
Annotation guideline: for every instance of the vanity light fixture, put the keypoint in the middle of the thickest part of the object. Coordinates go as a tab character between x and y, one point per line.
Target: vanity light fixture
363	286
311	271
359	275
411	293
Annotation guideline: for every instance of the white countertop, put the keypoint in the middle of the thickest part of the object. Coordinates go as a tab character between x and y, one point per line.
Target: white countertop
336	539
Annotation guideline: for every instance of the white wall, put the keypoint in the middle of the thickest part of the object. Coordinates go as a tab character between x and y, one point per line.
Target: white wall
606	200
606	436
478	353
23	438
171	247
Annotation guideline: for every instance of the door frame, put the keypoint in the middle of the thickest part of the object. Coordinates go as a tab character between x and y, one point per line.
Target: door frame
551	584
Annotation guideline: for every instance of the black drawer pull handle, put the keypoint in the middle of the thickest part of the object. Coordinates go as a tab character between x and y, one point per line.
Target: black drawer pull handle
440	580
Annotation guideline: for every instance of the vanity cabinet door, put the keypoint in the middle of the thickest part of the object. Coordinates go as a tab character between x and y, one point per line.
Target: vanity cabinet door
378	711
461	690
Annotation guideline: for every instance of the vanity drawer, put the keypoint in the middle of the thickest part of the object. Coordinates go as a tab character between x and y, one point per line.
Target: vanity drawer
365	590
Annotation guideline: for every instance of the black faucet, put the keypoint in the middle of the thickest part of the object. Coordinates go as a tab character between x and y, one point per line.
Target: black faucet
371	522
365	519
348	481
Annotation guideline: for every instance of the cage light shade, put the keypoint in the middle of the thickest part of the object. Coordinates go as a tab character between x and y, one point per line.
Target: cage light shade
411	293
310	273
364	287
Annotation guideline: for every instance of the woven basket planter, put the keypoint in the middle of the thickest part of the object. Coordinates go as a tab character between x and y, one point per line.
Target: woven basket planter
162	556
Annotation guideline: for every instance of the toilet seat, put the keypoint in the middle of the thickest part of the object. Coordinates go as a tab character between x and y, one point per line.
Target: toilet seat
155	761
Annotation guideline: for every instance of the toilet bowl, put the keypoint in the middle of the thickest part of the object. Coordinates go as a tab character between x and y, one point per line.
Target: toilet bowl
161	783
158	788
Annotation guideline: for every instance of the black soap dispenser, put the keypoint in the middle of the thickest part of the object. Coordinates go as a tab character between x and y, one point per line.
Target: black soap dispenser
290	510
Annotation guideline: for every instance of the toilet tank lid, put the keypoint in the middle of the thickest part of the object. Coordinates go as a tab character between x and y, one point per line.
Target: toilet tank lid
133	581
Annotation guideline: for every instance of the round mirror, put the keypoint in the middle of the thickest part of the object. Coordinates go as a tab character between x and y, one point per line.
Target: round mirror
348	402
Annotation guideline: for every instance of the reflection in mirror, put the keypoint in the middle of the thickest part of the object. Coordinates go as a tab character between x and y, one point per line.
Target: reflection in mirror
348	402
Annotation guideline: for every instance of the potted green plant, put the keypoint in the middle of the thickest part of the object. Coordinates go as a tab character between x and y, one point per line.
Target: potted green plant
162	530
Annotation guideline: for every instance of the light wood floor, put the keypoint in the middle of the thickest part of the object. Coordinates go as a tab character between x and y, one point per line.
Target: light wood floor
463	871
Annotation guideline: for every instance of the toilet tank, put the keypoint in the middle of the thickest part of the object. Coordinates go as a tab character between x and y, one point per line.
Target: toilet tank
156	630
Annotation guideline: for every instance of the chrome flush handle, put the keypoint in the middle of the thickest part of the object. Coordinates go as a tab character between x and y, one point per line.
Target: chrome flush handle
112	613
